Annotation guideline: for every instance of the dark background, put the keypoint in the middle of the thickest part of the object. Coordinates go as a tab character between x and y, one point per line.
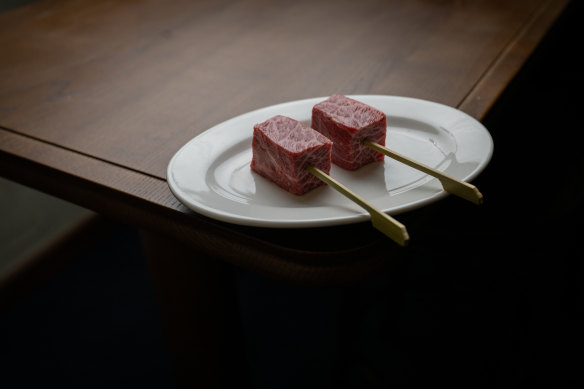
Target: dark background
488	296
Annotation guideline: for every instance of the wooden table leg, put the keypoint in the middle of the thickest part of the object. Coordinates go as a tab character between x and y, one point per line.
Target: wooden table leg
199	306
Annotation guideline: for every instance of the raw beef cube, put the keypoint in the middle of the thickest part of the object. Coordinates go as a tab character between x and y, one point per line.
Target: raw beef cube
283	147
348	123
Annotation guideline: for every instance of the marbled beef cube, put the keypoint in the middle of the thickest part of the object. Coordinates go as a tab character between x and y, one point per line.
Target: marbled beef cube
348	122
283	147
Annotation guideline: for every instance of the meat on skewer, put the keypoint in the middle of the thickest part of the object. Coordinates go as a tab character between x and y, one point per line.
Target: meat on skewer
348	123
282	150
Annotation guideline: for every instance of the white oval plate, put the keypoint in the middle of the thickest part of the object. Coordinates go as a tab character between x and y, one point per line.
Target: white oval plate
211	174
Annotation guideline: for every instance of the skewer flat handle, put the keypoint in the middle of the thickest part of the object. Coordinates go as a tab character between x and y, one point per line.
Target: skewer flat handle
380	220
450	184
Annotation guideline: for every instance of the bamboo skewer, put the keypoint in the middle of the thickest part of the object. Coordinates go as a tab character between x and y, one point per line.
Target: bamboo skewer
450	184
380	220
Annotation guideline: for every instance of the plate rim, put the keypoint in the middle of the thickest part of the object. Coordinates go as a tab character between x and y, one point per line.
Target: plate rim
231	218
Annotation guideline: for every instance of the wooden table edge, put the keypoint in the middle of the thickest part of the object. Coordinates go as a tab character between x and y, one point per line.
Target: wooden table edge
145	201
150	210
507	64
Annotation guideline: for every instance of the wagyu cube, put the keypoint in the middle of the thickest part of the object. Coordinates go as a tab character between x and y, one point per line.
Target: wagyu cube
283	148
348	123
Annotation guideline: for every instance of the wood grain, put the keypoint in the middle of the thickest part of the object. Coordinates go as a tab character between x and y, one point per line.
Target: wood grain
97	96
130	83
507	64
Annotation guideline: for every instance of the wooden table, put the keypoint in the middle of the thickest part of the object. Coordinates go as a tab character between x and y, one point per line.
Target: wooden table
96	97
